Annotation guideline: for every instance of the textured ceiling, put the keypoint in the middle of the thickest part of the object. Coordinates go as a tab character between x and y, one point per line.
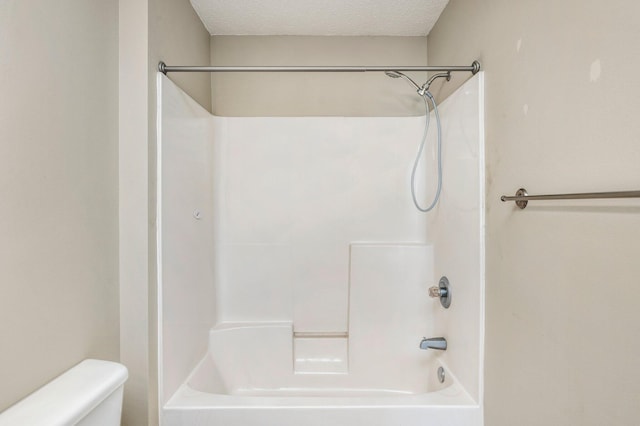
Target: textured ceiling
319	17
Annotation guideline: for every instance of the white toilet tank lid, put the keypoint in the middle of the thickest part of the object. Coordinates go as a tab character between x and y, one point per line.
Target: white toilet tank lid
69	397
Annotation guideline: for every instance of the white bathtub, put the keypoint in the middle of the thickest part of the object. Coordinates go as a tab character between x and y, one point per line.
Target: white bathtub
259	386
194	406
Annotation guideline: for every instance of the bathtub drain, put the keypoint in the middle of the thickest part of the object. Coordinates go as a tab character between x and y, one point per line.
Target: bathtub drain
441	374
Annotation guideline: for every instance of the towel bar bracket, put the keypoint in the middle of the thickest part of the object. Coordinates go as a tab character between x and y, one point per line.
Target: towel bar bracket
521	193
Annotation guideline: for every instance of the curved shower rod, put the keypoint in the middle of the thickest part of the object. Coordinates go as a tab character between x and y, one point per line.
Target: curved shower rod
164	68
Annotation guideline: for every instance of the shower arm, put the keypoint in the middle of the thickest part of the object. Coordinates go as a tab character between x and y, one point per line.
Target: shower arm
424	90
446	75
164	68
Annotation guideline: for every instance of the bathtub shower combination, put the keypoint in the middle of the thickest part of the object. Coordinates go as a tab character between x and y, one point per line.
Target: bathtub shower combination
295	270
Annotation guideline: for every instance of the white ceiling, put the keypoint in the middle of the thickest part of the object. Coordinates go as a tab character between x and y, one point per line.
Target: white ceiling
319	17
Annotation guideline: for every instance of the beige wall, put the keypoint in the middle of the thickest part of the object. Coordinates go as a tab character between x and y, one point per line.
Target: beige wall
150	31
133	208
59	179
178	37
315	94
562	106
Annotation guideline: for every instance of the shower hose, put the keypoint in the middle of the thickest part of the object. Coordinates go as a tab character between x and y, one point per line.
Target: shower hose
425	96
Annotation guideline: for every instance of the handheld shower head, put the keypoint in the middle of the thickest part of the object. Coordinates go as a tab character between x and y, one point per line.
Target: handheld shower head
398	74
424	90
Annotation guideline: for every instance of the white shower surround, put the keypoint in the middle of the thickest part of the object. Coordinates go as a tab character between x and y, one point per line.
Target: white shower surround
235	276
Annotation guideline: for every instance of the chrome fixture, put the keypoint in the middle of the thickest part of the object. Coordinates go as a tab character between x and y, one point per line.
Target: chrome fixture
398	74
442	291
441	374
522	198
439	343
164	68
424	89
426	86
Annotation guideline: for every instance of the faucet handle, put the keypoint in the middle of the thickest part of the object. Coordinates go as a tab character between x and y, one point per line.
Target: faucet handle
436	291
442	291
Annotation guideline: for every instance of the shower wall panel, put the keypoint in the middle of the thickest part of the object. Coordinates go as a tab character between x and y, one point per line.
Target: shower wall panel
389	313
292	195
186	233
457	230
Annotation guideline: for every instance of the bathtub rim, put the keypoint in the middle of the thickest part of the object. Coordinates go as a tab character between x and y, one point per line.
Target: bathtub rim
189	398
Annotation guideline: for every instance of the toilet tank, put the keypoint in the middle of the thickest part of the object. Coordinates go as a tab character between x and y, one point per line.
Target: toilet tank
89	394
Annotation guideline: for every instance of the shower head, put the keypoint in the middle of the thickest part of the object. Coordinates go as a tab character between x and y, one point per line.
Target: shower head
398	74
393	74
425	87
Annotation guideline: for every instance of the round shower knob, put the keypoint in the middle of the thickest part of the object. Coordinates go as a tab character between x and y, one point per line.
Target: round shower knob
442	291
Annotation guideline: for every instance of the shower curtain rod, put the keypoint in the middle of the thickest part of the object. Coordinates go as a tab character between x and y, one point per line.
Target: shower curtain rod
164	68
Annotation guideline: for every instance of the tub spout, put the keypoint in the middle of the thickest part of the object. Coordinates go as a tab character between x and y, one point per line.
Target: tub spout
439	343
